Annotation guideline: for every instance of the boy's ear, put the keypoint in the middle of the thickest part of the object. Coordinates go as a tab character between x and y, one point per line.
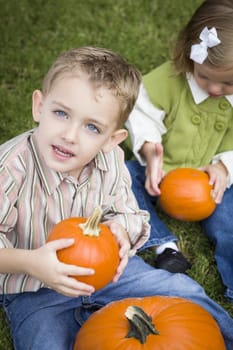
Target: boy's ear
117	137
37	103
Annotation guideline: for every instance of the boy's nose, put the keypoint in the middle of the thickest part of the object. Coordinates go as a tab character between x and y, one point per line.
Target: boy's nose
71	134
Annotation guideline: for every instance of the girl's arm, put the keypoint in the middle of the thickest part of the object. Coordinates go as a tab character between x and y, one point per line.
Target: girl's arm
145	124
153	154
218	174
227	160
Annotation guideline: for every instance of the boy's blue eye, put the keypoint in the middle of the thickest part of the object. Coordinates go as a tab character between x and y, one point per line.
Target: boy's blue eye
93	128
60	113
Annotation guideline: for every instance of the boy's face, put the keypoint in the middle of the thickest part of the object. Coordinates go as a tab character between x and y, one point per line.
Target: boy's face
216	82
76	121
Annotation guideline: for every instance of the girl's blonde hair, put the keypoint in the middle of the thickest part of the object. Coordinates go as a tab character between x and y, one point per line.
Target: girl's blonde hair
104	68
211	13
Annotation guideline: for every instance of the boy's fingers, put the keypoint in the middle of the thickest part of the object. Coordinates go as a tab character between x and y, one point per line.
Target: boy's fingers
61	243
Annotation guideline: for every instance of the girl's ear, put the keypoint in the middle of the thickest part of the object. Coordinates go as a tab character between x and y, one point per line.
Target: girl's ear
117	137
37	103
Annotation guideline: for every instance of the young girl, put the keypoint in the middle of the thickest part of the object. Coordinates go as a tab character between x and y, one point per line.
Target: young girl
184	118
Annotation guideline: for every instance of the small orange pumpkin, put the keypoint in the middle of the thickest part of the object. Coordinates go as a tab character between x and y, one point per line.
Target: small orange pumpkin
186	194
150	323
94	247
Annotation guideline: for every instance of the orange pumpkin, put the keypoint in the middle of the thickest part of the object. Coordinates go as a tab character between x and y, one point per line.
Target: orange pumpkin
94	247
186	194
150	323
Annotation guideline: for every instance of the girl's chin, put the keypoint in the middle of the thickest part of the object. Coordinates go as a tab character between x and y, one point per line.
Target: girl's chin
215	96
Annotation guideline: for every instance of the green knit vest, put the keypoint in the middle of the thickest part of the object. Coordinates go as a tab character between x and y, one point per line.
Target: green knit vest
195	133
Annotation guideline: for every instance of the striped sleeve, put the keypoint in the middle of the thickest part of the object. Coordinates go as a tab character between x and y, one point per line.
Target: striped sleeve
124	207
8	212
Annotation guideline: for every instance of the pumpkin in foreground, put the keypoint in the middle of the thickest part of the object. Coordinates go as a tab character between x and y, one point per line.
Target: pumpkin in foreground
150	323
186	194
94	247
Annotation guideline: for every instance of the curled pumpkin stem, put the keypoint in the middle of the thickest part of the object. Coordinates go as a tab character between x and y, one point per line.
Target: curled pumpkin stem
91	226
140	324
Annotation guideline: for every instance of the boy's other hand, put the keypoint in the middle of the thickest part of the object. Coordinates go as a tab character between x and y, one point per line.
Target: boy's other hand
124	244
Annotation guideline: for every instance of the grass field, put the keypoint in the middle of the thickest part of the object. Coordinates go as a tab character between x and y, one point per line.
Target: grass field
33	33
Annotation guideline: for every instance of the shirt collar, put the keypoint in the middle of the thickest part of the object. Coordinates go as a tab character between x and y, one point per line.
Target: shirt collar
200	95
52	179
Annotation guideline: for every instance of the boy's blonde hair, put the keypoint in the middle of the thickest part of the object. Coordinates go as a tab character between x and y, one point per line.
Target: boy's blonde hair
211	13
104	68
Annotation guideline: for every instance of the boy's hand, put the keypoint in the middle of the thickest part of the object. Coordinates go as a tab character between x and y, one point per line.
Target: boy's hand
124	244
44	265
218	178
153	153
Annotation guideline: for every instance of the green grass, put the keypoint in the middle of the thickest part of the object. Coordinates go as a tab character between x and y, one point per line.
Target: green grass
33	33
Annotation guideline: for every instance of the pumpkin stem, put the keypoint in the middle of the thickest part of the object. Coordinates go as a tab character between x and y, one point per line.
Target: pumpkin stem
91	226
140	324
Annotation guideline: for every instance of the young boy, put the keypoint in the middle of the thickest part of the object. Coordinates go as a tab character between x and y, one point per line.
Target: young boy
65	167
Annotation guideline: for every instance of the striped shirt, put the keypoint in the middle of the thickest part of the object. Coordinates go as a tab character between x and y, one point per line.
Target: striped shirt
34	198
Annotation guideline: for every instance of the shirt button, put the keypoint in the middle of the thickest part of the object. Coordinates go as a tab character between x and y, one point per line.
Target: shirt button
219	126
196	119
224	105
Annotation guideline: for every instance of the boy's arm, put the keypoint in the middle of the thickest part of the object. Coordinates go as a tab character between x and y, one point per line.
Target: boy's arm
124	246
145	124
42	263
123	208
8	219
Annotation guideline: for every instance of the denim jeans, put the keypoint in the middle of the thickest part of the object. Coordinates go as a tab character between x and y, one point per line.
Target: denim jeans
218	227
46	320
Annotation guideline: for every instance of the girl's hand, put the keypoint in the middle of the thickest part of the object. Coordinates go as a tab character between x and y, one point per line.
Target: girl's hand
44	265
218	179
153	153
124	244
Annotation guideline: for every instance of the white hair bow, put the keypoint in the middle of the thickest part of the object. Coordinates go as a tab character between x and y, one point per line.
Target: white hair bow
209	38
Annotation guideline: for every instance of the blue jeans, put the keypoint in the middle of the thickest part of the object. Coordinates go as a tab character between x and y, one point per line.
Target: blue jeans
218	227
48	320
